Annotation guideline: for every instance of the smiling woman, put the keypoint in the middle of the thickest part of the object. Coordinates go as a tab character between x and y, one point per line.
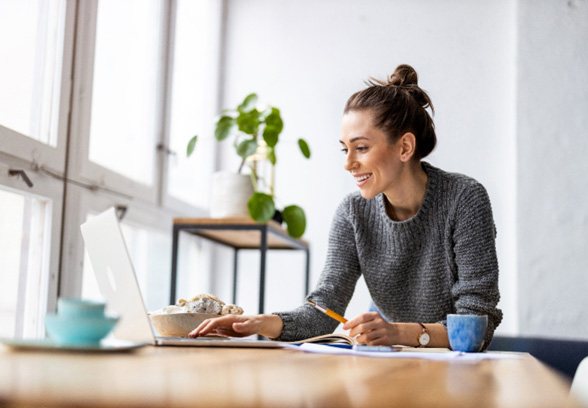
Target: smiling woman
422	238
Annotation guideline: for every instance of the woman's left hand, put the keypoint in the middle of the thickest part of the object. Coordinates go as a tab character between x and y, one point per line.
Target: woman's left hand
371	328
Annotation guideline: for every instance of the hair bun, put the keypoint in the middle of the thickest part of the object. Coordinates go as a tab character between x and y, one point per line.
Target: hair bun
403	75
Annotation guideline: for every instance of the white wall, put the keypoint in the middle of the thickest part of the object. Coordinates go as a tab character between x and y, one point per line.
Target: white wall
308	56
553	187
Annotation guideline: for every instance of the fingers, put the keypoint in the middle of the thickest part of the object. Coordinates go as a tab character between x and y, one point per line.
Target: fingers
362	318
378	337
369	328
364	323
221	324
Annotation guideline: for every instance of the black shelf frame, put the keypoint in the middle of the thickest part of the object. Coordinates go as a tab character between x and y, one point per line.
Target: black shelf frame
263	247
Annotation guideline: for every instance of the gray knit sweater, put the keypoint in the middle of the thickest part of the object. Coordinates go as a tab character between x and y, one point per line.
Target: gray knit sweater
441	261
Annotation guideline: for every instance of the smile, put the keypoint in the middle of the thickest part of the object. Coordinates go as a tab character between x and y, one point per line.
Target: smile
361	179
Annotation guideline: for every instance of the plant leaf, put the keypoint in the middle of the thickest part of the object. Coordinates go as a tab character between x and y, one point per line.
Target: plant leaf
275	119
261	207
248	122
295	219
191	145
248	103
270	135
304	148
224	127
271	156
273	127
246	148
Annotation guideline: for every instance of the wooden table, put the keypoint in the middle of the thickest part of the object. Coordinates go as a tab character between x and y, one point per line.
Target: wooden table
238	233
208	377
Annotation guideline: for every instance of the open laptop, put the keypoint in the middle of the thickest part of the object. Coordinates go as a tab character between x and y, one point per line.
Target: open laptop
118	284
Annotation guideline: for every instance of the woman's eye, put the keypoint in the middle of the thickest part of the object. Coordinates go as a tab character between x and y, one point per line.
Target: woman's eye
344	150
361	148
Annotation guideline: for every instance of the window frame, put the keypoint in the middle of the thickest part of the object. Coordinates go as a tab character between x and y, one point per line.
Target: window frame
81	168
166	199
90	185
33	151
44	187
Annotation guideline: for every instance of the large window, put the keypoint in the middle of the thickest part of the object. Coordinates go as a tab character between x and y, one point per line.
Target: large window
32	49
125	108
193	98
104	81
24	263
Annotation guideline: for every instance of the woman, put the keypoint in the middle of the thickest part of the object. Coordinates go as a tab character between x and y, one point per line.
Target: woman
423	239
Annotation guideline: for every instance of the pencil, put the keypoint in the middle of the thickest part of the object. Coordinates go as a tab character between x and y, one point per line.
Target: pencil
327	311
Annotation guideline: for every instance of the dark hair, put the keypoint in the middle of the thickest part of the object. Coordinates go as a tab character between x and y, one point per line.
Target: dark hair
399	106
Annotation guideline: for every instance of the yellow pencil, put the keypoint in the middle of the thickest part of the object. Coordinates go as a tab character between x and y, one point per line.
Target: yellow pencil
328	311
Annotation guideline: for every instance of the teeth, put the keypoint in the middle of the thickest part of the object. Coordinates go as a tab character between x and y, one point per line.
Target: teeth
359	179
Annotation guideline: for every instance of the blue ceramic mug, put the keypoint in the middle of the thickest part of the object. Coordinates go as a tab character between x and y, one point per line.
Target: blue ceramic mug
466	331
79	322
71	307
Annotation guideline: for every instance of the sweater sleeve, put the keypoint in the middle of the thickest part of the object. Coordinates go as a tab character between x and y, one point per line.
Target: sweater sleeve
335	286
475	290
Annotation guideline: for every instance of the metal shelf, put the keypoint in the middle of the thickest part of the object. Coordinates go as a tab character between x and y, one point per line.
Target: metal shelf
239	233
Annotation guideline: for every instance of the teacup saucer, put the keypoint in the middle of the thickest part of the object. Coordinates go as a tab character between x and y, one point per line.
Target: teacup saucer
105	346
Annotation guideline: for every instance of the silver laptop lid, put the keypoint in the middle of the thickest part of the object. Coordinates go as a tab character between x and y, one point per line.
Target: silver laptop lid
116	277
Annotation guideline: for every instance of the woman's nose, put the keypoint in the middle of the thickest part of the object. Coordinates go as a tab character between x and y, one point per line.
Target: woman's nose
350	163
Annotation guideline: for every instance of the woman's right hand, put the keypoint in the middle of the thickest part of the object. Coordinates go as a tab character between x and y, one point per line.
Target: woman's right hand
240	326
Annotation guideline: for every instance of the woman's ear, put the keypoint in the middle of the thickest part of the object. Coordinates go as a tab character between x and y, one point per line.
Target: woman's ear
407	146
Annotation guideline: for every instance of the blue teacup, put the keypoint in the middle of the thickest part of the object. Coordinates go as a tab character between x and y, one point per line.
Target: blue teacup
69	307
79	322
466	331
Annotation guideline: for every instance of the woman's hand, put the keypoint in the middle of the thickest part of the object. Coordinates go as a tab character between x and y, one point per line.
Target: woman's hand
371	328
240	326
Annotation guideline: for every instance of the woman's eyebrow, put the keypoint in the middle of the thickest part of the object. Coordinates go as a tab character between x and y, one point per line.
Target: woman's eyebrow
355	139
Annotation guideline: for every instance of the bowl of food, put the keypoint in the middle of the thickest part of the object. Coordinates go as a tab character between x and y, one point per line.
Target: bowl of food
180	319
178	324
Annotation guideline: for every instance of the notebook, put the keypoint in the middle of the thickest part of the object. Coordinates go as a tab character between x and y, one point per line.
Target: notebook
118	284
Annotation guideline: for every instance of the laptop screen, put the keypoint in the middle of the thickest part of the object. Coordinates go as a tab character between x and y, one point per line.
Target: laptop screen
116	277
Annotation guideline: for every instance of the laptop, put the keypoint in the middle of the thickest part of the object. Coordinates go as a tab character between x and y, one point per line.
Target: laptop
118	284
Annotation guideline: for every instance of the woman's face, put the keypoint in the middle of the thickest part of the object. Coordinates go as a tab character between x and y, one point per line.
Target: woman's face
371	159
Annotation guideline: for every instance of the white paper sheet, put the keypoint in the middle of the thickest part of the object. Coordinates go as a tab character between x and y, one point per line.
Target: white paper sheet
427	354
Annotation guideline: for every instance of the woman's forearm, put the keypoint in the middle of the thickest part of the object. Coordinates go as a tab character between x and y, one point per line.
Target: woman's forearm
408	334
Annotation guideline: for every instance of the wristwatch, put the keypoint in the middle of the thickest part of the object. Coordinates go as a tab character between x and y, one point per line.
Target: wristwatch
424	338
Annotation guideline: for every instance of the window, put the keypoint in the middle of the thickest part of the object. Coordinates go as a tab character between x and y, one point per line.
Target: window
24	262
31	66
125	119
115	108
193	99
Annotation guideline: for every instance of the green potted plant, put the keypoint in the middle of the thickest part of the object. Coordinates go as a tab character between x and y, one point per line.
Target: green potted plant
255	132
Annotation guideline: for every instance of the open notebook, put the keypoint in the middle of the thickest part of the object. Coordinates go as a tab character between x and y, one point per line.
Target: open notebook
118	284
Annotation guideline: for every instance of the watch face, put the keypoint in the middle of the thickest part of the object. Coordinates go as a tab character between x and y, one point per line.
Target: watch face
424	339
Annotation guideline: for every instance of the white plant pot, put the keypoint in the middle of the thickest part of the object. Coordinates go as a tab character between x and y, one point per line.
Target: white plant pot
229	195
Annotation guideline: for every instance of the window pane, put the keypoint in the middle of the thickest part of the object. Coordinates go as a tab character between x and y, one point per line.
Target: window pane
124	122
24	264
32	52
193	105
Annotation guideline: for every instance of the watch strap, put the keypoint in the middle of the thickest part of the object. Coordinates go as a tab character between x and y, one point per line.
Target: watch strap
425	331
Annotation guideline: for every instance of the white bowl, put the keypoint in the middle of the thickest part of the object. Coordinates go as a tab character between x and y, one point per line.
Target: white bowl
178	324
